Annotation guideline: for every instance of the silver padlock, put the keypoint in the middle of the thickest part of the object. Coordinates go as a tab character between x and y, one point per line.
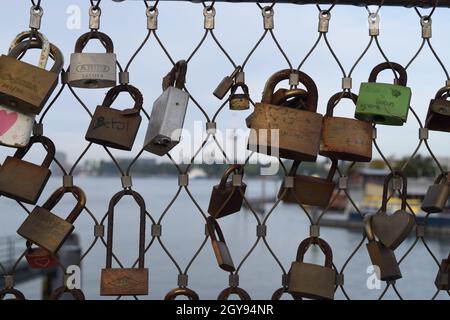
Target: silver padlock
93	70
168	113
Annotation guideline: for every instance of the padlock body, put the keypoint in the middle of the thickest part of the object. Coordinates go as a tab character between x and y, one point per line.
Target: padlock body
39	258
166	121
436	198
45	229
292	133
311	191
311	281
111	128
346	139
24	87
124	282
385	259
22	181
223	87
229	198
383	103
15	127
442	281
93	70
223	256
438	116
239	101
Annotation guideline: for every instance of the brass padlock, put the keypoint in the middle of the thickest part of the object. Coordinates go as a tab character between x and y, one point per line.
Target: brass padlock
308	190
168	113
227	198
312	281
39	258
24	87
125	281
438	116
22	180
288	132
47	230
239	101
219	245
437	195
116	128
344	138
442	281
93	70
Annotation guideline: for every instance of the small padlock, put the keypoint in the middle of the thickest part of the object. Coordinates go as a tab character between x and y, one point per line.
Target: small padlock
437	195
308	190
239	101
24	87
39	258
219	245
227	198
287	132
438	116
22	180
384	103
442	281
125	281
168	113
344	138
93	70
312	281
116	128
14	292
226	84
47	230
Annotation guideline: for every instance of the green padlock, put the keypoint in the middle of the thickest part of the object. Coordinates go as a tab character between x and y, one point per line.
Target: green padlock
384	103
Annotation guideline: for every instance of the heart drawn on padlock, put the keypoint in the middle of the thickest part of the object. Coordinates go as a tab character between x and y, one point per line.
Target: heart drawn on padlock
43	262
7	120
393	229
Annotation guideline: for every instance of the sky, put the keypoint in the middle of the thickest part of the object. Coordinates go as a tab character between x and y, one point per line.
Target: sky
238	27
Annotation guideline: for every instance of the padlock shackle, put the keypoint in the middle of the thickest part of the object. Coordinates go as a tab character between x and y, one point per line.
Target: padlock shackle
109	242
135	94
102	37
290	97
213	229
16	293
236	168
77	294
443	91
331	172
368	228
48	145
402	73
57	196
323	245
388	178
442	177
176	76
307	81
227	292
336	98
34	34
186	292
243	86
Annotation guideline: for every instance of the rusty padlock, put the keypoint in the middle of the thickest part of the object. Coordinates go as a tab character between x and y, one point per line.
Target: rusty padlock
288	132
22	180
438	116
116	128
185	292
39	258
25	87
125	281
239	101
93	70
76	294
308	190
312	281
226	198
442	281
47	230
219	245
344	138
437	195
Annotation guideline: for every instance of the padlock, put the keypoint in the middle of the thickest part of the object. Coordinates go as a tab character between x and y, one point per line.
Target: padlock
381	256
185	292
14	292
125	281
116	128
308	190
226	84
22	180
24	87
438	116
47	230
312	281
168	113
227	292
239	101
442	281
219	245
384	103
76	294
226	198
93	70
344	138
287	132
437	195
39	258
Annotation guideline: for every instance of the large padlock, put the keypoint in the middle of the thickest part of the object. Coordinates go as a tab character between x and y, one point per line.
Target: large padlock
22	180
287	132
47	230
344	138
437	195
25	87
309	280
442	281
219	245
168	113
116	128
308	190
39	258
438	116
226	197
239	101
93	70
125	281
384	103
